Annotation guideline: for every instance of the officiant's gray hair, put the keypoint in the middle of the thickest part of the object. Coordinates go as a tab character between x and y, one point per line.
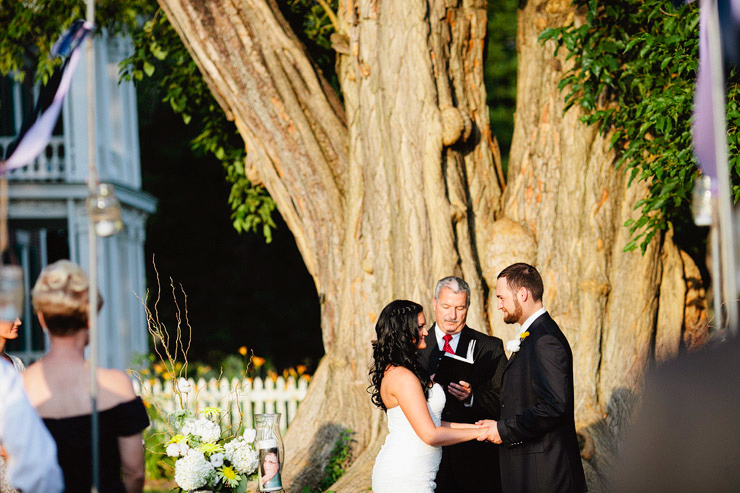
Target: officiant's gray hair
456	284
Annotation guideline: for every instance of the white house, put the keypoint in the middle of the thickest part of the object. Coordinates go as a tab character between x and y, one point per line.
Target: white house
47	215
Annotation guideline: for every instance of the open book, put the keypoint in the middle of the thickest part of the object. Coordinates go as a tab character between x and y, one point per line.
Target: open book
453	368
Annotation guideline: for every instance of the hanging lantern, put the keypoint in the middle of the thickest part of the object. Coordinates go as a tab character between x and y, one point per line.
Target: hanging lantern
702	201
105	210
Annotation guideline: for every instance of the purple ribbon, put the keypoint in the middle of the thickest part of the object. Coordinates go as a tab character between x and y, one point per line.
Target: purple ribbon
34	138
703	134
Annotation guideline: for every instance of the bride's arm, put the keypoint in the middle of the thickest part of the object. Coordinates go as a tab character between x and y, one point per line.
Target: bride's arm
405	387
460	426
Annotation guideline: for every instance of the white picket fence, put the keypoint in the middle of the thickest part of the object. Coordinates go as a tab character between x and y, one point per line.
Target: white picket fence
240	399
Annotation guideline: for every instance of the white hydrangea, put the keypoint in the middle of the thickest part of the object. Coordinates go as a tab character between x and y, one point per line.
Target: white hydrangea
217	459
242	456
249	434
184	386
192	471
207	430
173	450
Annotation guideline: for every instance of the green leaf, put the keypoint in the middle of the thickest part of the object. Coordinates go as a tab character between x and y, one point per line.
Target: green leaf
242	486
148	69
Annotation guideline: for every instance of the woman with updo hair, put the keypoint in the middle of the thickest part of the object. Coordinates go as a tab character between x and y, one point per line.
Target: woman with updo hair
58	387
412	450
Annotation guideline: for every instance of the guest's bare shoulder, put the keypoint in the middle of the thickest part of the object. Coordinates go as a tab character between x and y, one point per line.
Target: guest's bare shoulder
115	387
35	383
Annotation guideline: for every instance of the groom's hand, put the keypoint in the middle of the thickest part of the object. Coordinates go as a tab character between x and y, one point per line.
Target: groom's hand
492	434
461	390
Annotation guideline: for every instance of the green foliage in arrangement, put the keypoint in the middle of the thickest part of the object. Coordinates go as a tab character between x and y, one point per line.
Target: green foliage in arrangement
633	70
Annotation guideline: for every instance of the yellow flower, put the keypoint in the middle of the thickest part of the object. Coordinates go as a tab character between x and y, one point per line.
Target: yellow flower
228	475
211	411
257	361
159	368
243	350
301	369
524	335
210	448
178	439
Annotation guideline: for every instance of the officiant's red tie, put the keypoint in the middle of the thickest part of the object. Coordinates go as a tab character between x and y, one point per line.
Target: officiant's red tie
447	348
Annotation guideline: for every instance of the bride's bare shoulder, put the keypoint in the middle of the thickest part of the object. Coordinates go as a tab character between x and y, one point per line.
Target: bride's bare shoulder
400	375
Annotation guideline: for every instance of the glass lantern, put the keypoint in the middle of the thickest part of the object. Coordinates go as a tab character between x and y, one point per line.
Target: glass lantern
105	210
702	203
271	451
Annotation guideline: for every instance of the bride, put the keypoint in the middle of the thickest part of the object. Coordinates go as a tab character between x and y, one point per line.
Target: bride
411	453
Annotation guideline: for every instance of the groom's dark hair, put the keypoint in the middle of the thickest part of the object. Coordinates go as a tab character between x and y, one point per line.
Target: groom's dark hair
523	275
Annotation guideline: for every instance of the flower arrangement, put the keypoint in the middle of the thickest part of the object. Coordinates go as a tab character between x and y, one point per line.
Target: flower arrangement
207	459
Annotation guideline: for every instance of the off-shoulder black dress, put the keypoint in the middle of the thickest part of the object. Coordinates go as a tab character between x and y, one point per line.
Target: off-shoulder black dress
74	445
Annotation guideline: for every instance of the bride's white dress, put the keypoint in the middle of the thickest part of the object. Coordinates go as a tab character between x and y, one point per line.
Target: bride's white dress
405	463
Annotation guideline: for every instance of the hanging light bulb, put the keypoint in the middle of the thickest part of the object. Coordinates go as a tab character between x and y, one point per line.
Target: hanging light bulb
11	292
703	200
105	210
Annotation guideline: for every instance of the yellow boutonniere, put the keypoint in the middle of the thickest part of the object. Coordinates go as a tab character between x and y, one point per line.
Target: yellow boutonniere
524	335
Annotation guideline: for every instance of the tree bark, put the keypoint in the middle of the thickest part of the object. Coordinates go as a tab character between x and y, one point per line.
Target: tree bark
399	187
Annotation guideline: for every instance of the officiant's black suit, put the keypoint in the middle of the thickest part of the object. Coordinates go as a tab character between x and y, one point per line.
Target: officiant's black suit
471	466
540	450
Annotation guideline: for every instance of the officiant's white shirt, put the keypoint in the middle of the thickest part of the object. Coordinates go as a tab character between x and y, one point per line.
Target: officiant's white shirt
441	342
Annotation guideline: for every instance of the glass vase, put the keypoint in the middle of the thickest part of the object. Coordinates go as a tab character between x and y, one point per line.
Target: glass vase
271	451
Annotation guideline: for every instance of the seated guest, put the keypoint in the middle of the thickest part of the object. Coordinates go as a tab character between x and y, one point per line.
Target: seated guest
58	386
32	456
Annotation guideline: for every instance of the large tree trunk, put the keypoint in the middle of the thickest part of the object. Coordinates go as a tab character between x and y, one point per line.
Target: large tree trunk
399	188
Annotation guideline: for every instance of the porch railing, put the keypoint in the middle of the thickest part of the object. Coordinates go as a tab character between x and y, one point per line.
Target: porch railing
49	166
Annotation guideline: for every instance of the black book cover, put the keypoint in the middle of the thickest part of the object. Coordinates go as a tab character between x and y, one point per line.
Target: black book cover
452	368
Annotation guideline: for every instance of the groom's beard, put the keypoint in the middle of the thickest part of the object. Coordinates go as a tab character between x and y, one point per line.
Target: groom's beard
513	317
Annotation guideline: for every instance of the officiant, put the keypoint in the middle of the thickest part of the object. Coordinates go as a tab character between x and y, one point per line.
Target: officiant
469	466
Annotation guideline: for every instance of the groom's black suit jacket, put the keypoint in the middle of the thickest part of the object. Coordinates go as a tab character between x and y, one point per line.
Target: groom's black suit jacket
471	466
540	450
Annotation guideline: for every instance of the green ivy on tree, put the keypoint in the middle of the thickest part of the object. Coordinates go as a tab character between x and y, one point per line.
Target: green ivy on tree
633	70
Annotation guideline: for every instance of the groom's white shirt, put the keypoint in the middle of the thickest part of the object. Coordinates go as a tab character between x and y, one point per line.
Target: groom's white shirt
528	323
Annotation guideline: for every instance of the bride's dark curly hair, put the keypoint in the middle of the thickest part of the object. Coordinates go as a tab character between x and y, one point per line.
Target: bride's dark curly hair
397	334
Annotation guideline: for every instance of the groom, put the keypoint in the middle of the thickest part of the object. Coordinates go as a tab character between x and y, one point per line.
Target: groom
540	449
470	466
